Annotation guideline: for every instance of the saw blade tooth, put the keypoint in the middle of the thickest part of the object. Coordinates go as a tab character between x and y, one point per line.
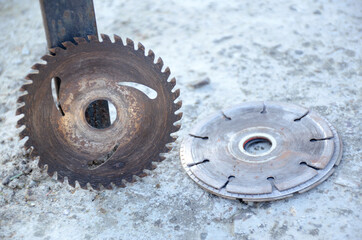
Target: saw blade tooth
169	146
151	55
129	179
27	145
130	43
31	76
114	186
55	175
41	163
179	116
162	158
51	174
105	38
56	50
71	181
108	186
68	44
83	185
24	133
50	171
178	105
95	185
22	99
21	122
126	180
175	128
120	184
151	166
88	186
52	51
60	178
47	57
25	94
141	48
176	94
101	187
134	178
20	110
77	184
92	38
159	63
166	148
167	72
38	66
23	88
172	82
118	39
177	124
142	175
80	40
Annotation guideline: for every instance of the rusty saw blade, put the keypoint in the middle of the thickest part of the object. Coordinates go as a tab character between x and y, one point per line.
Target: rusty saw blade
85	72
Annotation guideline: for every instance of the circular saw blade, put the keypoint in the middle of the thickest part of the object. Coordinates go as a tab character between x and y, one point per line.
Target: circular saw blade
91	70
303	151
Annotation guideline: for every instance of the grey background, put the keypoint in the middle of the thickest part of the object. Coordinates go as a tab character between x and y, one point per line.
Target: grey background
302	52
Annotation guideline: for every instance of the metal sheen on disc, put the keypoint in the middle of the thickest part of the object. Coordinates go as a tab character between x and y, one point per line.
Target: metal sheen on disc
303	151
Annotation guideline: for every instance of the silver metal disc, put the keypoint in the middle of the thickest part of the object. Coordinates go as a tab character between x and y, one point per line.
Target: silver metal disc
261	151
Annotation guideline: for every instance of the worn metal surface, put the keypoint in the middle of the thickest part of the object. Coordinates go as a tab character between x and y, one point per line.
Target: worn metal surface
305	148
91	71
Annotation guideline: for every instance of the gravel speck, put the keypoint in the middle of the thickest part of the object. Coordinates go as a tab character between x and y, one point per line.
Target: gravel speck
200	83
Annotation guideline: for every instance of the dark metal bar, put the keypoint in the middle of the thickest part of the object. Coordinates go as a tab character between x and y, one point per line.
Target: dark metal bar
65	19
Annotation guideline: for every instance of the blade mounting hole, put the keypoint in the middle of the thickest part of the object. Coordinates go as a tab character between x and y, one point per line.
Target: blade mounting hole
101	114
257	145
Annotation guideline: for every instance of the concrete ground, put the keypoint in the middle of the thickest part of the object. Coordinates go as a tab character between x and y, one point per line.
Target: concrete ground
302	52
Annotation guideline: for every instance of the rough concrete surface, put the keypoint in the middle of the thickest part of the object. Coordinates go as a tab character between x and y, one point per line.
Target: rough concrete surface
302	52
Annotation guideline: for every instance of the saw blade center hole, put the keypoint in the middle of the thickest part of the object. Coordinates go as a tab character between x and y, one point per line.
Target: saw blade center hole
101	114
256	145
